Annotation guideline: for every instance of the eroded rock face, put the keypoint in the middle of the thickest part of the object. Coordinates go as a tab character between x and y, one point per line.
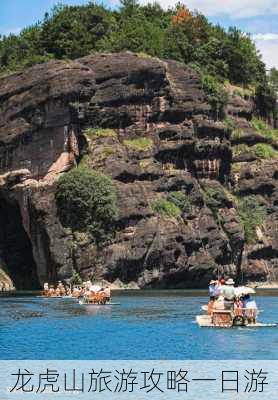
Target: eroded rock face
46	116
6	283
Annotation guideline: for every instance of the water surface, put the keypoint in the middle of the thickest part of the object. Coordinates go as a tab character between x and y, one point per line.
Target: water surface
147	325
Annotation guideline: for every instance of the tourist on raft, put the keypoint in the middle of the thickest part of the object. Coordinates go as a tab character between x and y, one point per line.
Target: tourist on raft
238	307
107	292
229	294
222	294
51	291
59	291
92	294
45	289
223	297
250	308
217	287
212	286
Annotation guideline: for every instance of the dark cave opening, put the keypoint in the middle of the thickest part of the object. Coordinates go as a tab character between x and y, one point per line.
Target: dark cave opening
16	247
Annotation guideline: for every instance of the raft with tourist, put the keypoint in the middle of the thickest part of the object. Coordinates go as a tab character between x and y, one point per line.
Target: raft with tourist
95	295
230	306
59	291
85	294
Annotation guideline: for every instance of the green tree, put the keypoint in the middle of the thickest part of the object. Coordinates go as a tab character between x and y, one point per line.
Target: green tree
135	31
23	50
209	55
72	32
86	201
176	44
273	79
240	53
177	33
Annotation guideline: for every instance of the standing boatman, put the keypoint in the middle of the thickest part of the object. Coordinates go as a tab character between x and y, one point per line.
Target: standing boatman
228	292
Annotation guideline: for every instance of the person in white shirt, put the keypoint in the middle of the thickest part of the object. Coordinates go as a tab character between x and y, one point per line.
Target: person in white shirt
212	285
228	292
107	292
250	309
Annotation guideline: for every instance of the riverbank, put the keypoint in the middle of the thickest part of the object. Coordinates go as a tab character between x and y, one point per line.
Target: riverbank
263	285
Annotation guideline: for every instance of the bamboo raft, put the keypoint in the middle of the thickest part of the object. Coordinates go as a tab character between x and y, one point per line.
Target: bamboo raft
84	303
55	297
206	321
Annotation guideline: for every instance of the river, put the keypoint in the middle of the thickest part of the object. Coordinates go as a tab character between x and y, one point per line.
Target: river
146	325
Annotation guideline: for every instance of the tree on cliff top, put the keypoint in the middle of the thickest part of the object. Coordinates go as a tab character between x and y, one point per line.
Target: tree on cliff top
176	33
86	201
273	79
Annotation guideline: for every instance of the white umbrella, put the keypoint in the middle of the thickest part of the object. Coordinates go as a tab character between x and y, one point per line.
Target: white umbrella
95	288
244	290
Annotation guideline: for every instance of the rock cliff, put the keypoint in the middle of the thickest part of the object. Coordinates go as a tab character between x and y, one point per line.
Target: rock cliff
157	139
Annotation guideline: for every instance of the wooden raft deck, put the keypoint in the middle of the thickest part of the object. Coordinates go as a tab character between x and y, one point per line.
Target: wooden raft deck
205	321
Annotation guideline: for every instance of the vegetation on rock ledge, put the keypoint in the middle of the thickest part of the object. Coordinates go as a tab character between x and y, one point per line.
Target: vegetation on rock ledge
141	144
259	150
165	208
95	133
264	129
252	215
174	205
180	200
86	201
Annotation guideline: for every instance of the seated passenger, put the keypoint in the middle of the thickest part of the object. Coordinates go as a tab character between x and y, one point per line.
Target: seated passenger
60	285
238	307
211	304
107	292
219	304
250	309
51	291
45	289
75	292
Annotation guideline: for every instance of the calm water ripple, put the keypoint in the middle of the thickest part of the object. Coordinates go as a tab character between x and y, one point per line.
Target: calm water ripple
156	325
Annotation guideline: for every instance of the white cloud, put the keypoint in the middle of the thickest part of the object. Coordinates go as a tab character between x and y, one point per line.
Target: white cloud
8	31
232	8
267	43
265	36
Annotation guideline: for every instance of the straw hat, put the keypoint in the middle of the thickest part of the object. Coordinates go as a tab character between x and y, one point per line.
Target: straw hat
230	282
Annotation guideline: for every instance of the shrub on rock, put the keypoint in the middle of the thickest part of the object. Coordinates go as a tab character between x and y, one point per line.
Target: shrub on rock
252	213
86	201
165	208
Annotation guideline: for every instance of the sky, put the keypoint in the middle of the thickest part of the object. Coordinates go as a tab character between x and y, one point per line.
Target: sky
257	17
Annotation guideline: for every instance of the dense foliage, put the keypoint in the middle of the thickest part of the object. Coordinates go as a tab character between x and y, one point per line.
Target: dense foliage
252	214
86	201
177	33
273	79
